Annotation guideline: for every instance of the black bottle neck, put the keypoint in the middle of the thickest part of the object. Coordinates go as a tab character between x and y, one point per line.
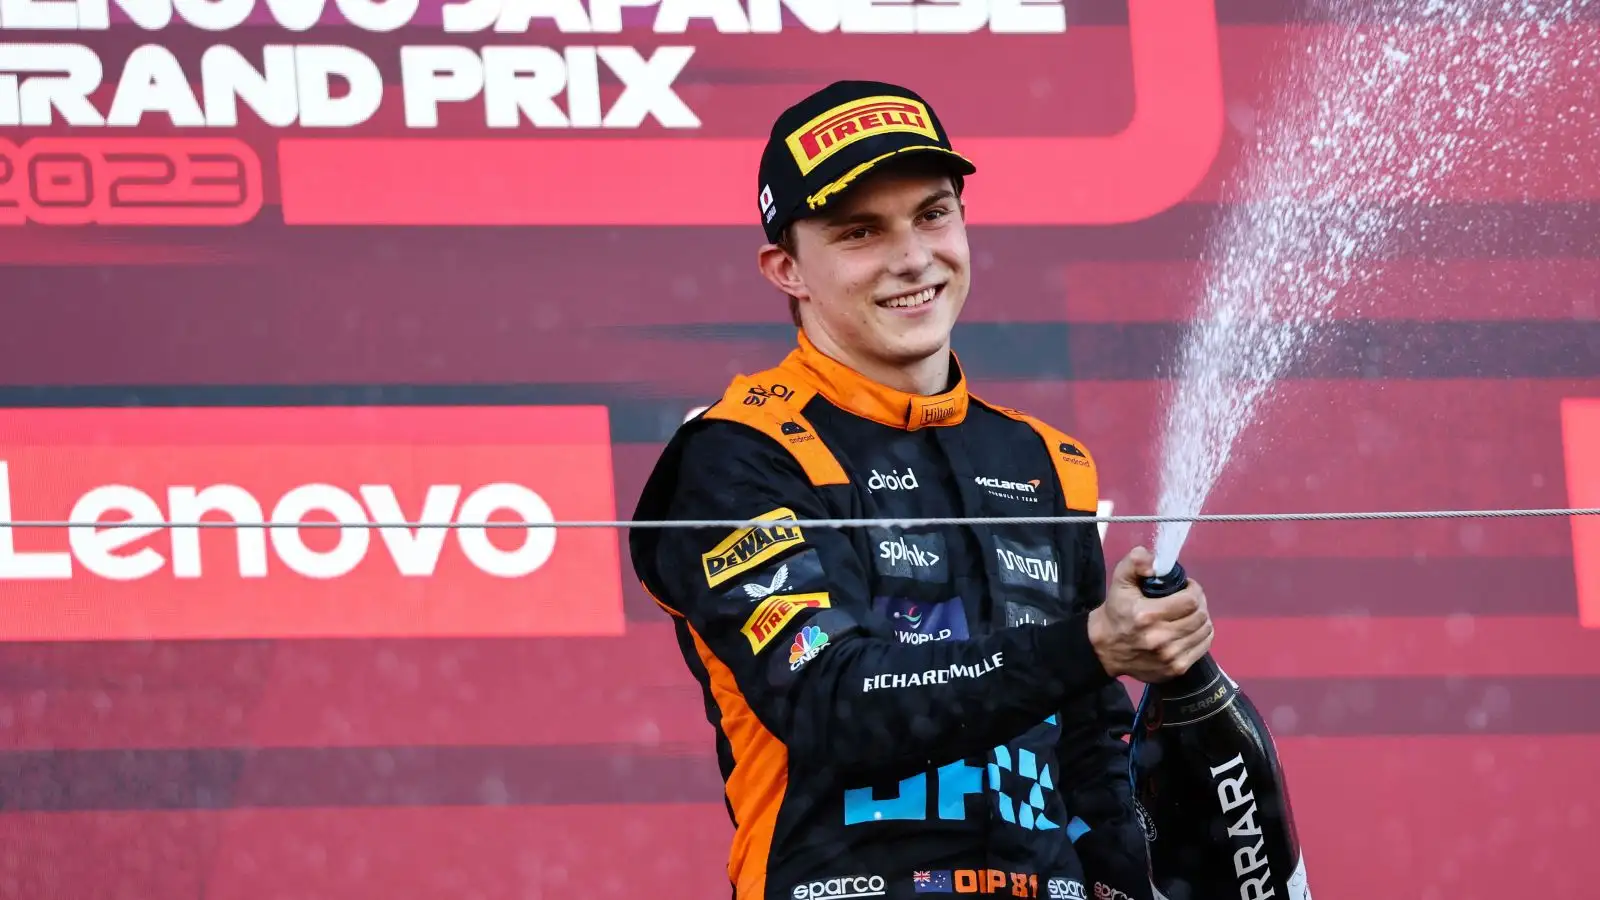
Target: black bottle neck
1202	675
1205	673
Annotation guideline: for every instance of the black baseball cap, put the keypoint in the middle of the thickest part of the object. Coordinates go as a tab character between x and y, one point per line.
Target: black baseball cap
822	144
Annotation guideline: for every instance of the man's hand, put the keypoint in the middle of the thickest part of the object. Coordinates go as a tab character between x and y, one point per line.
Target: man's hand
1151	640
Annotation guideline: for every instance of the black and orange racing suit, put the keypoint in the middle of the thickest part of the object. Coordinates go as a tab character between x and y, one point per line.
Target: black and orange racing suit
898	711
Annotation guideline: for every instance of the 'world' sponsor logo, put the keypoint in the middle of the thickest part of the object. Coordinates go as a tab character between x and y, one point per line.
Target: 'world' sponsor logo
918	622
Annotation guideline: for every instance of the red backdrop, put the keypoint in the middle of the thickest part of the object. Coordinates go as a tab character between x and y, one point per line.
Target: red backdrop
271	308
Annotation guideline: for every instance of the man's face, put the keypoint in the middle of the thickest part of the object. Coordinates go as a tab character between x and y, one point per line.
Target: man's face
884	271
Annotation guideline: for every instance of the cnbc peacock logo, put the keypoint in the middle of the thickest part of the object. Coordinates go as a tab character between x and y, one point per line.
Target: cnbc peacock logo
807	644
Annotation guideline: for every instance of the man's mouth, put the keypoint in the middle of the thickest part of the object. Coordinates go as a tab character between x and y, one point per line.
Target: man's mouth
912	301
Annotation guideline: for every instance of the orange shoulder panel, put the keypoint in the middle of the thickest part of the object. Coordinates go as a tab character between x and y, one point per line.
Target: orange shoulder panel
770	402
1080	480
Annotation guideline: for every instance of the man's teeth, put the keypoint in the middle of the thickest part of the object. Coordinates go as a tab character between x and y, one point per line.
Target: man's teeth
917	299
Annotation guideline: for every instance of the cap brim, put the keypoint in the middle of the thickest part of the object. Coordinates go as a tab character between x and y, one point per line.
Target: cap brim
957	163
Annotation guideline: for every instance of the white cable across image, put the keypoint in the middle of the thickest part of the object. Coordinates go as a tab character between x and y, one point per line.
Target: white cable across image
851	523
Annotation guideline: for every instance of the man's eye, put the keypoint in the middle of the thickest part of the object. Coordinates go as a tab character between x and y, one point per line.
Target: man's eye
855	234
935	213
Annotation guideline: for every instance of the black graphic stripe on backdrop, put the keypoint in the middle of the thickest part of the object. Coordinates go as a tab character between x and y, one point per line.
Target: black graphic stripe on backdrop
646	412
223	778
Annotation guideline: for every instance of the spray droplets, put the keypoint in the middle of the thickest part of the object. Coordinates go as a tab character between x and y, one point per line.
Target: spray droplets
1372	120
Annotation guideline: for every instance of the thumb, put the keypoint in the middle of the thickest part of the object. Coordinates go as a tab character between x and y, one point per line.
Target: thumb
1139	563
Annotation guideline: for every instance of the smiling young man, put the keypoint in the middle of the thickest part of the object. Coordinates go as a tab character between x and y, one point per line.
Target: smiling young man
900	710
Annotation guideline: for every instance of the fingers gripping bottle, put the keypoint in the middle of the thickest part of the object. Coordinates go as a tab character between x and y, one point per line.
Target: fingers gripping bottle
1209	788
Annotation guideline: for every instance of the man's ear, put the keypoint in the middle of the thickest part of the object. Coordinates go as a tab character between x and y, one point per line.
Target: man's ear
778	267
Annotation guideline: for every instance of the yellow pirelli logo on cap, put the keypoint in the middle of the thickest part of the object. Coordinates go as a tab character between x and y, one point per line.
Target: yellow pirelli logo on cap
827	134
750	547
775	612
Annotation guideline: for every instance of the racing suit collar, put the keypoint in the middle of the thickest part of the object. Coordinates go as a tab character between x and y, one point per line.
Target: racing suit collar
850	390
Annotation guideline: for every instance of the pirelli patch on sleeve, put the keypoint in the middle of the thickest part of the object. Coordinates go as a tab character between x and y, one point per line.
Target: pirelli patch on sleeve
773	613
749	547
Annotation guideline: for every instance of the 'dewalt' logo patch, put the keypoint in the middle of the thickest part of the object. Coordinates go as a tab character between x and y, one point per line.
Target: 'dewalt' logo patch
812	143
750	547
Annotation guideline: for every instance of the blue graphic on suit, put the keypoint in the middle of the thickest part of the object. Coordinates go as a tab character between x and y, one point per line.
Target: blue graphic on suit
1019	786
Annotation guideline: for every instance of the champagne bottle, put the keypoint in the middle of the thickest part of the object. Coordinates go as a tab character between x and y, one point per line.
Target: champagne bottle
1209	788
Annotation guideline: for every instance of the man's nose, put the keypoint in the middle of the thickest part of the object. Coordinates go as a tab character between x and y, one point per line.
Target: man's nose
912	256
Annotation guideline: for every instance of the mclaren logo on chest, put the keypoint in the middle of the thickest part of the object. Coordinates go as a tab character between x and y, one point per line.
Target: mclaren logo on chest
1005	489
1016	487
750	547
